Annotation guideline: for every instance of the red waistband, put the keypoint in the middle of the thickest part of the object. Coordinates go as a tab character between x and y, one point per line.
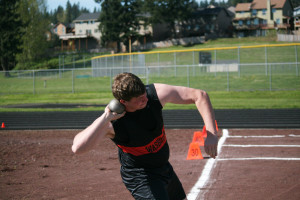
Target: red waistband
152	147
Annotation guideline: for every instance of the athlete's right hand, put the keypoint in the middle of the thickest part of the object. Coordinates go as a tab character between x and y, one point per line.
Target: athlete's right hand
113	115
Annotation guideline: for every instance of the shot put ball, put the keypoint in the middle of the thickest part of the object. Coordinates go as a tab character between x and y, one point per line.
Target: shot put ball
115	106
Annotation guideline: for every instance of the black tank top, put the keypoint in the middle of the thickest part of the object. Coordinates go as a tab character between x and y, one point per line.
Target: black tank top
140	135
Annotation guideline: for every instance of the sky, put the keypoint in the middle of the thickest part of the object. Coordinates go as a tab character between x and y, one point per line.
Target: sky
89	4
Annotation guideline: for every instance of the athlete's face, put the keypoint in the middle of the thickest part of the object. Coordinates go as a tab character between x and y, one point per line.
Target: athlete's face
136	103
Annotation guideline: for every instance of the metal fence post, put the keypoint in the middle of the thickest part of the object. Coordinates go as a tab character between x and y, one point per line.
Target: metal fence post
266	60
239	61
175	64
73	81
73	61
63	63
33	75
296	52
270	76
147	75
158	63
194	72
228	78
188	76
110	75
215	62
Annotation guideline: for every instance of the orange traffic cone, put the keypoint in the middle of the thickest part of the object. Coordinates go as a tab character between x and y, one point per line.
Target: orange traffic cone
2	125
204	133
198	138
194	152
216	125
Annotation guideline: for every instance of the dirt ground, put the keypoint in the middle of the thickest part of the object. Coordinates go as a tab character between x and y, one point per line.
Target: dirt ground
39	164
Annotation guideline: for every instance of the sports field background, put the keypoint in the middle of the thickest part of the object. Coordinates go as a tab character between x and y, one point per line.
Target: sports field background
245	68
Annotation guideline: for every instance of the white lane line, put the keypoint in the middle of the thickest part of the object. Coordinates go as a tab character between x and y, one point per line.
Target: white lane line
257	136
258	158
250	145
206	171
292	135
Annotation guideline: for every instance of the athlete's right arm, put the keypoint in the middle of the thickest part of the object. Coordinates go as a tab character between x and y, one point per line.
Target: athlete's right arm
89	137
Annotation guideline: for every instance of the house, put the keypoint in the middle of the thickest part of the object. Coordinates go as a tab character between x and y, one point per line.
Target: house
252	19
59	29
297	18
86	34
210	22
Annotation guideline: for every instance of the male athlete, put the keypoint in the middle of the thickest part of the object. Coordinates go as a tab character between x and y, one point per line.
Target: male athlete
140	136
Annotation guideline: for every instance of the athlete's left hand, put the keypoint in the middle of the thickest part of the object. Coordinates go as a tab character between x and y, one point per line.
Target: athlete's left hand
211	144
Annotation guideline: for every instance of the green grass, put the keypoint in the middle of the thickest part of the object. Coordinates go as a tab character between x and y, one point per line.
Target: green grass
248	90
220	100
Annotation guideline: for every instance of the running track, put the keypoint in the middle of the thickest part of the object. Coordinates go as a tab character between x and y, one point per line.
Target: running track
187	119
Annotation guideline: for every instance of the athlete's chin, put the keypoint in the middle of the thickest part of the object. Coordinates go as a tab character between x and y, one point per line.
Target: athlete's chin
143	106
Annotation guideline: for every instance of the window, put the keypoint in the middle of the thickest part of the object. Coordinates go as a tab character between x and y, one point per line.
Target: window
248	22
240	22
256	22
273	10
254	12
264	11
63	29
277	21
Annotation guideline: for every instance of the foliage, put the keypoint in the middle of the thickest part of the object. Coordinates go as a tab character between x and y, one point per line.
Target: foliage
169	12
119	21
10	33
34	43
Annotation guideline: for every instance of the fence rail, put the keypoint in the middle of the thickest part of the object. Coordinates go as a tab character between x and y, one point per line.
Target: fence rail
213	77
246	68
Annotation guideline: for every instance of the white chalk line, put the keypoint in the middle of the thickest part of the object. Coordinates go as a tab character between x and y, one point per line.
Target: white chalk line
292	135
257	136
259	158
263	136
206	171
251	145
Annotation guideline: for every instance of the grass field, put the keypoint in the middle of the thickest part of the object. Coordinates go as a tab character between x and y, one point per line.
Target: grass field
252	88
220	100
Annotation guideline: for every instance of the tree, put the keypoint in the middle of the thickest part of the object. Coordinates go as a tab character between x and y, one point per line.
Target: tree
10	34
119	21
34	43
169	12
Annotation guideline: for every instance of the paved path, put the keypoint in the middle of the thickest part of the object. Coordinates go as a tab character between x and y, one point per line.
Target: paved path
238	118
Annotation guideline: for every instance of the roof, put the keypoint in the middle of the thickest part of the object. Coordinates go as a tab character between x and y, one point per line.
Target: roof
88	16
242	7
211	11
56	25
262	4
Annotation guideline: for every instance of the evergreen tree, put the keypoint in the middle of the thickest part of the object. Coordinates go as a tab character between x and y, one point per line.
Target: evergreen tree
169	12
34	43
10	33
119	21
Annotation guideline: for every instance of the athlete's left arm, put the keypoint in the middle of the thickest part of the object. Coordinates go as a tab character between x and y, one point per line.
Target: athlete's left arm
185	95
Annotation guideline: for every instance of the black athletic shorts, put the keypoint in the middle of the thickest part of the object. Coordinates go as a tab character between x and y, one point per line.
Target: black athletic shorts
158	183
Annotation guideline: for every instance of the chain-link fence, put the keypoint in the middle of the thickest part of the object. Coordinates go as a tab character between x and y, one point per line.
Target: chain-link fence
220	69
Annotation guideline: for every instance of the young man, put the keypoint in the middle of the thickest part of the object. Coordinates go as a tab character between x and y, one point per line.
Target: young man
140	135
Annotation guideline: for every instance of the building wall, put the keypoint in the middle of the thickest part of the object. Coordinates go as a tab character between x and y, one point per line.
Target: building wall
60	30
277	16
243	15
85	28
